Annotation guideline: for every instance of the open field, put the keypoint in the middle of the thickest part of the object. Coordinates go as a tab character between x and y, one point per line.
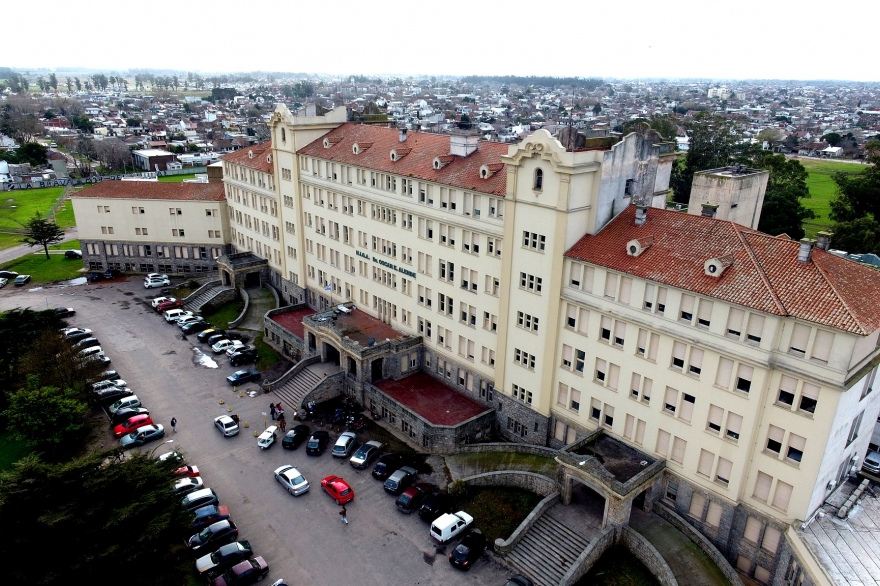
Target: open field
41	270
823	188
17	207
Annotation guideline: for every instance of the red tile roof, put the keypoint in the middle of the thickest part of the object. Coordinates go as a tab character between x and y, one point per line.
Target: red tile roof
155	190
765	274
252	157
460	172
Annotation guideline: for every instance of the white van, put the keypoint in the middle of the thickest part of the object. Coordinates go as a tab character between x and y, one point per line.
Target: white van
447	526
92	352
172	315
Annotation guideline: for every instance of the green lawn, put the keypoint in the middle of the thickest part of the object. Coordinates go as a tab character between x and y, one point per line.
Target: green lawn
267	356
497	510
177	178
69	245
823	189
11	450
56	268
17	207
224	314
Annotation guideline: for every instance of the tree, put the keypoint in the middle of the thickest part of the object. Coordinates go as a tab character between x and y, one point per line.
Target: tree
48	418
42	232
33	153
782	212
53	82
832	138
113	153
19	328
57	363
465	122
856	209
69	84
78	83
597	109
769	135
712	144
119	513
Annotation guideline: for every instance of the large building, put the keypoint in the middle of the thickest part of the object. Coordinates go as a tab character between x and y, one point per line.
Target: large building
534	280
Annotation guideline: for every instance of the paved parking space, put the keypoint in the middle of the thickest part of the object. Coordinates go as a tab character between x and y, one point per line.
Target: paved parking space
302	538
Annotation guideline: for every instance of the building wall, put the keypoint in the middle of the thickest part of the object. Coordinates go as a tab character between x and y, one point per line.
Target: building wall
739	197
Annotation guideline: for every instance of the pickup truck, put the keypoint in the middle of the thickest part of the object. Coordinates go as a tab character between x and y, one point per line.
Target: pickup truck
447	526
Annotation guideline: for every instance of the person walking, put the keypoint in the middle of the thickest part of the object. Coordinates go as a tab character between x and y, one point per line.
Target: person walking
282	424
174	424
272	410
344	514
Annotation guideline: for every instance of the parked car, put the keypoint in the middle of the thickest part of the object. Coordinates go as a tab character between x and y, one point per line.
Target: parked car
244	573
112	273
187	485
208	515
237	345
95	276
223	344
317	443
199	498
871	464
268	437
237	336
446	527
131	424
187	319
128	402
213	564
108	375
89	342
364	454
246	356
214	535
344	444
21	280
156	302
111	394
8	274
73	254
104	384
292	481
205	334
124	414
435	505
469	550
227	425
152	283
99	358
518	580
402	478
3	282
65	311
74	334
166	305
142	435
155	276
188	471
410	499
243	376
293	438
195	327
211	340
172	315
338	489
387	464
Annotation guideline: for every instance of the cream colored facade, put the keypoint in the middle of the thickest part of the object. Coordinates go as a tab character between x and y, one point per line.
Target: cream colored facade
758	416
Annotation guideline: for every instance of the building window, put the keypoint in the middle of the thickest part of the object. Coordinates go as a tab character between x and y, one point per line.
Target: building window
539	180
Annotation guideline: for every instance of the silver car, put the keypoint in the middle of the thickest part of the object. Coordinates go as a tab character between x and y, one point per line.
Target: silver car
227	425
290	478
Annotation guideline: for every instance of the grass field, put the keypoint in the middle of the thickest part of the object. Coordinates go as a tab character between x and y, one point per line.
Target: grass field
224	314
69	245
56	268
177	178
17	207
822	187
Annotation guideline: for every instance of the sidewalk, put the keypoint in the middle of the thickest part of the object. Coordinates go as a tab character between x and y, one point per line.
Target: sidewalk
261	301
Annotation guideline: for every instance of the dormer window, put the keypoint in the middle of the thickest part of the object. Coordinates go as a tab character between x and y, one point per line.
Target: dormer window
539	180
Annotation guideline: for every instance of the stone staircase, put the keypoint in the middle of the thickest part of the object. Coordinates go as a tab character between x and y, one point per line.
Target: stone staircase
194	303
292	392
546	551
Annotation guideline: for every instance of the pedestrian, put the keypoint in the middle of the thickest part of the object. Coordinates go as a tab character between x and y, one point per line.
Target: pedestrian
344	514
174	424
282	424
272	410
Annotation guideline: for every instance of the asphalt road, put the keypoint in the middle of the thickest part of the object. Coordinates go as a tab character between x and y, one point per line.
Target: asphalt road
302	538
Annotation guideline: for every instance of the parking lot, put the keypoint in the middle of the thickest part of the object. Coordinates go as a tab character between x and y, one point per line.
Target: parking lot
302	538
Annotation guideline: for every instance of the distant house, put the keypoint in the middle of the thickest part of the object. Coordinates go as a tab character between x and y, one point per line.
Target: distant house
832	152
152	159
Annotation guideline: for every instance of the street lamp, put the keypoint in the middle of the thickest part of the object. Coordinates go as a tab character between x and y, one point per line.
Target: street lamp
153	451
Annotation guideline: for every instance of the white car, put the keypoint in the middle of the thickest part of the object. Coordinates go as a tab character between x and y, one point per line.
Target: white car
106	384
267	438
172	315
74	331
159	300
237	345
3	282
152	283
447	526
156	276
222	345
183	320
290	478
227	425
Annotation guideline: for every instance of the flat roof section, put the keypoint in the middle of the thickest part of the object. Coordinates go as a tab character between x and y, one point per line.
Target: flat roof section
360	327
431	399
292	321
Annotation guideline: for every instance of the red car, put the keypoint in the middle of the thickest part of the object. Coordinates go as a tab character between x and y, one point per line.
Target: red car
246	572
338	488
190	471
131	424
166	305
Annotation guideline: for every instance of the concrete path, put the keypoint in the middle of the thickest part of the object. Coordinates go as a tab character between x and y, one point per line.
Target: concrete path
8	254
261	301
687	561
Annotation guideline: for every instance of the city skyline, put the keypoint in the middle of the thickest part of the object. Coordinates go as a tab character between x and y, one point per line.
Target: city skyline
679	40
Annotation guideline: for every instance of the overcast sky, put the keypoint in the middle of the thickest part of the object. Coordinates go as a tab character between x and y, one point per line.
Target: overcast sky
747	39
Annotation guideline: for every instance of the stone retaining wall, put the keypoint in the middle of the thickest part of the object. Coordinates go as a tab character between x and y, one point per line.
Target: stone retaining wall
588	557
219	300
507	447
329	388
702	542
505	546
247	302
530	481
647	554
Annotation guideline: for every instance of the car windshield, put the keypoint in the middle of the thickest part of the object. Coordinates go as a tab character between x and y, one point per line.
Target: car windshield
133	434
345	492
204	533
298	480
404	499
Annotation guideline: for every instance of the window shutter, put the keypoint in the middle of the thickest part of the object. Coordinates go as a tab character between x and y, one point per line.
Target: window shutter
649	296
753	530
628	427
661	299
775	433
646	389
704	317
744	377
575	399
704	466
610	285
698	503
800	336
678	350
671	399
640	432
605	326
735	322
589	272
635	384
613	376
687	307
583	320
572	315
652	347
809	397
696	361
640	344
822	345
559	431
619	332
782	496
724	469
714	420
625	290
601	369
686	410
734	425
570	436
662	443
788	384
567	353
562	395
762	486
756	327
725	370
771	539
678	449
576	272
713	515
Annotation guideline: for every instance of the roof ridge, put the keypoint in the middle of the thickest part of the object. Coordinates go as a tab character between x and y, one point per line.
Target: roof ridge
842	301
761	273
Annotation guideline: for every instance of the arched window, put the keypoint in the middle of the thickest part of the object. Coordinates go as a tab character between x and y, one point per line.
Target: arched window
539	179
283	135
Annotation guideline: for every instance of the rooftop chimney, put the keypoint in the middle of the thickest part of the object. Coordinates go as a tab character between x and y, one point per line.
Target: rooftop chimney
462	144
709	210
641	215
402	135
824	240
805	253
